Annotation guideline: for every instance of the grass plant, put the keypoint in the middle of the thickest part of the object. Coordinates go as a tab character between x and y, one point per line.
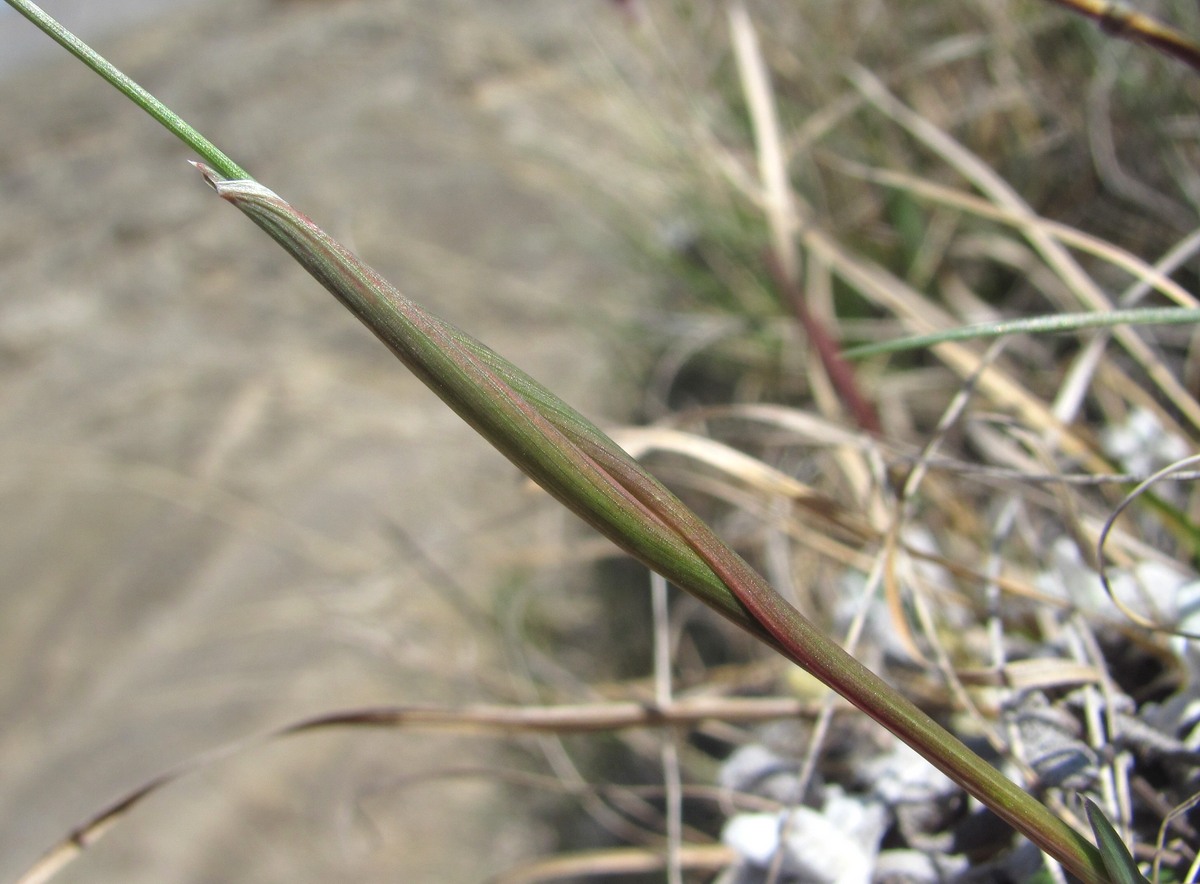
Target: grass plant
812	276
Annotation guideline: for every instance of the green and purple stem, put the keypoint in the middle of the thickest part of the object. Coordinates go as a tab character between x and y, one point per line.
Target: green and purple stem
592	476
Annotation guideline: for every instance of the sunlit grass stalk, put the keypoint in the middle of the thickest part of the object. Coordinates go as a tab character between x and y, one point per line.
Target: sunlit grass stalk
586	471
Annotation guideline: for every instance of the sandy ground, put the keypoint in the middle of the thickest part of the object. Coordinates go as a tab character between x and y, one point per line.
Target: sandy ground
207	464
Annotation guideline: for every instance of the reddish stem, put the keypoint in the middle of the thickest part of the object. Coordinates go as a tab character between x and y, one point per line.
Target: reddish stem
840	372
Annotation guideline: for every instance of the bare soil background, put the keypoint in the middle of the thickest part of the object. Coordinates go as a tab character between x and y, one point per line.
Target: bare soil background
207	462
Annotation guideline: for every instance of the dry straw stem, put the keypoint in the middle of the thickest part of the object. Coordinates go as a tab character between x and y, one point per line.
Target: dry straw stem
710	858
783	221
917	313
1084	289
1118	19
1147	274
470	719
779	205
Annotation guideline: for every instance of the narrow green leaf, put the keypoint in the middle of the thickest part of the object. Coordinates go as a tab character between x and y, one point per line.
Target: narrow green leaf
1054	323
1117	859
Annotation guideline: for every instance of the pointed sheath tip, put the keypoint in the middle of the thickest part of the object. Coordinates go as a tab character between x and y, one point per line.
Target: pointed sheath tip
210	175
232	189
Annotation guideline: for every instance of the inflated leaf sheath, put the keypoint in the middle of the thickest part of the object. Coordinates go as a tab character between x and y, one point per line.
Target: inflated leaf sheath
590	474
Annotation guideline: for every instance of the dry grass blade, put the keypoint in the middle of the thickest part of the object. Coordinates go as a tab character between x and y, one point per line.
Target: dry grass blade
618	861
1102	540
804	426
1119	20
1080	284
746	469
1147	274
779	205
497	720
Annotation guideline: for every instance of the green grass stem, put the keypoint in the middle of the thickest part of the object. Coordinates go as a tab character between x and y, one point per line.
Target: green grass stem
131	90
1054	323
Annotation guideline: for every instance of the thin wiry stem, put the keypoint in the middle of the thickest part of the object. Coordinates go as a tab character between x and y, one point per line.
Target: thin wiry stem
1053	323
134	92
670	753
1119	20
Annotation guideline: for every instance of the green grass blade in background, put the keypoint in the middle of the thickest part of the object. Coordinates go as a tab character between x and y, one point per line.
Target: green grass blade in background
1054	323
